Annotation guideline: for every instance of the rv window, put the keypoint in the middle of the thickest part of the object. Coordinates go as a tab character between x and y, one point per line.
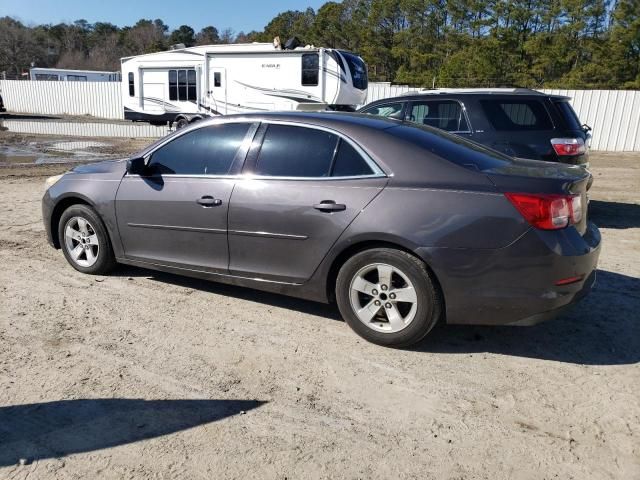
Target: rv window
173	85
182	85
296	152
47	76
207	150
217	79
132	88
76	78
310	69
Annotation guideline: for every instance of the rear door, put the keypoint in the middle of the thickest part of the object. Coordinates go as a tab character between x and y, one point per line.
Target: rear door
521	126
305	186
448	115
176	213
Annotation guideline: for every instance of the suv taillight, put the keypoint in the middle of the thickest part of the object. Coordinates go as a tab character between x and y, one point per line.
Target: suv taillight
548	212
568	146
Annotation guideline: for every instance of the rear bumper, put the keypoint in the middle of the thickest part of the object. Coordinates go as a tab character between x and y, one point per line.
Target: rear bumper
516	285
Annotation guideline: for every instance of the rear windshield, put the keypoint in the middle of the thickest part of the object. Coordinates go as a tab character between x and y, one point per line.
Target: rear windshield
569	115
516	115
451	147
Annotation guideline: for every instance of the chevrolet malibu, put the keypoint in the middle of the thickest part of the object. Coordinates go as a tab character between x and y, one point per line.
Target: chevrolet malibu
400	224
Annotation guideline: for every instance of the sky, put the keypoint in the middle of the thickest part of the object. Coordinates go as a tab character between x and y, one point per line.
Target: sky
239	15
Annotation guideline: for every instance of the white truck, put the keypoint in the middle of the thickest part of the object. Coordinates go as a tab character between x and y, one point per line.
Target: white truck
186	84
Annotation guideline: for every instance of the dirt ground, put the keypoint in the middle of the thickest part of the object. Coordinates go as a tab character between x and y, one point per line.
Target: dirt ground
147	375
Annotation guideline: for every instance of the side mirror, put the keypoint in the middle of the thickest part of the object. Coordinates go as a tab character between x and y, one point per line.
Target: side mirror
136	166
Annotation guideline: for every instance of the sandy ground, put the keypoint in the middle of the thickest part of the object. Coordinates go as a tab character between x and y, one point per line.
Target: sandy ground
148	375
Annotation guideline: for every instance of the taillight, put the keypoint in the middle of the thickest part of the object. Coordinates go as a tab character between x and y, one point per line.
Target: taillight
548	212
568	146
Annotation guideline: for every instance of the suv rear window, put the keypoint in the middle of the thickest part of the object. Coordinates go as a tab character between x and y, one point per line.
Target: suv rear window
451	147
515	115
569	115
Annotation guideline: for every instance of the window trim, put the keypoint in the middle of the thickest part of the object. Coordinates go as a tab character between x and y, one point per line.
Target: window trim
410	104
252	157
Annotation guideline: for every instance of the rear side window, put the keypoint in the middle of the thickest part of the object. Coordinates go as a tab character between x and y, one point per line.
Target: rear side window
446	115
289	151
515	115
349	163
205	151
391	110
569	115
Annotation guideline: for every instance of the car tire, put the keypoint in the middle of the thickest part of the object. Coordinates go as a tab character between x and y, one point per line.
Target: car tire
388	297
84	240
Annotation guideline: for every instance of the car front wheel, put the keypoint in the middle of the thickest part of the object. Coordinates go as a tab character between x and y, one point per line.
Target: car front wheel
84	240
388	297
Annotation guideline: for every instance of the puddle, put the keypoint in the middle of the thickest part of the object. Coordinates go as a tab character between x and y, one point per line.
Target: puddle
48	153
73	146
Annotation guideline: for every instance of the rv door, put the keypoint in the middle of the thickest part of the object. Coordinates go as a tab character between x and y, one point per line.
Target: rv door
218	90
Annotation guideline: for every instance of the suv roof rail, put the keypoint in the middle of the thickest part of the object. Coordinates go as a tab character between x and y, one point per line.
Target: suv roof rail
516	90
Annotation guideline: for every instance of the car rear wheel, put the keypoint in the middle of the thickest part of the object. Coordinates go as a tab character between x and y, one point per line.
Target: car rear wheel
387	297
84	240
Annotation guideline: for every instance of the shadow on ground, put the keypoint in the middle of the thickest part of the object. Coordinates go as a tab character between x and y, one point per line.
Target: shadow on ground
603	329
614	214
55	429
243	293
26	116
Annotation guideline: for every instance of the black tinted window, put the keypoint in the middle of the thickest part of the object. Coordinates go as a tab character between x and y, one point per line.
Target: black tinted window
182	85
451	147
289	151
310	69
349	162
392	110
514	115
208	150
569	115
444	114
132	85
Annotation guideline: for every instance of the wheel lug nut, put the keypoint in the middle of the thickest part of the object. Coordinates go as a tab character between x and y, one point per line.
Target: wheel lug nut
392	296
374	292
377	303
388	305
383	287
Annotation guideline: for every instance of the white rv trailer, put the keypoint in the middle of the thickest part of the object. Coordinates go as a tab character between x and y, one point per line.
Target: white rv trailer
188	84
64	75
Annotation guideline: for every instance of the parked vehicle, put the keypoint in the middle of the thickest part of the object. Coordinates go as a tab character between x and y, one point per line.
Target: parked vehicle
188	84
401	224
64	75
517	121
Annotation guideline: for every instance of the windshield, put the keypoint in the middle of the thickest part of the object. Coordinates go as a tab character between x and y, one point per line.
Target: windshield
451	147
358	70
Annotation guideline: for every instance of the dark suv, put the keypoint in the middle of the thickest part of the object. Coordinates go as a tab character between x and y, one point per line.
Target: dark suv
517	121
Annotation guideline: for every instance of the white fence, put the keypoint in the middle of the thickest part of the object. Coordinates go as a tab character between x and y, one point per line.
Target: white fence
613	115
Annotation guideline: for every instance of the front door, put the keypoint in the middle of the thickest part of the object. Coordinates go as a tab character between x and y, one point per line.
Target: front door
303	190
217	92
176	213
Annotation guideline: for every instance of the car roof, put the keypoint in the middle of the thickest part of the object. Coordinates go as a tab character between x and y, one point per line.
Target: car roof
477	92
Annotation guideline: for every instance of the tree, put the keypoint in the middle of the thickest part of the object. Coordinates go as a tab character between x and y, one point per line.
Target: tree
184	34
208	36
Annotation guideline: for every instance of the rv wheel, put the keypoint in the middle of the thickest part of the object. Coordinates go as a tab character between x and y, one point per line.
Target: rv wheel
181	123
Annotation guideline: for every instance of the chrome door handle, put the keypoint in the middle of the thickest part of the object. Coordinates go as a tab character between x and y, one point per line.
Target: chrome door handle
330	206
209	201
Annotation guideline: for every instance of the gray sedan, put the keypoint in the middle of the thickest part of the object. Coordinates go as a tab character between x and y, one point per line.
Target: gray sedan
401	225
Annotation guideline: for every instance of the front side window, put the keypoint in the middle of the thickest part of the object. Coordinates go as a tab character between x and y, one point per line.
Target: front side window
392	110
444	114
205	151
182	85
132	86
289	151
310	69
517	115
